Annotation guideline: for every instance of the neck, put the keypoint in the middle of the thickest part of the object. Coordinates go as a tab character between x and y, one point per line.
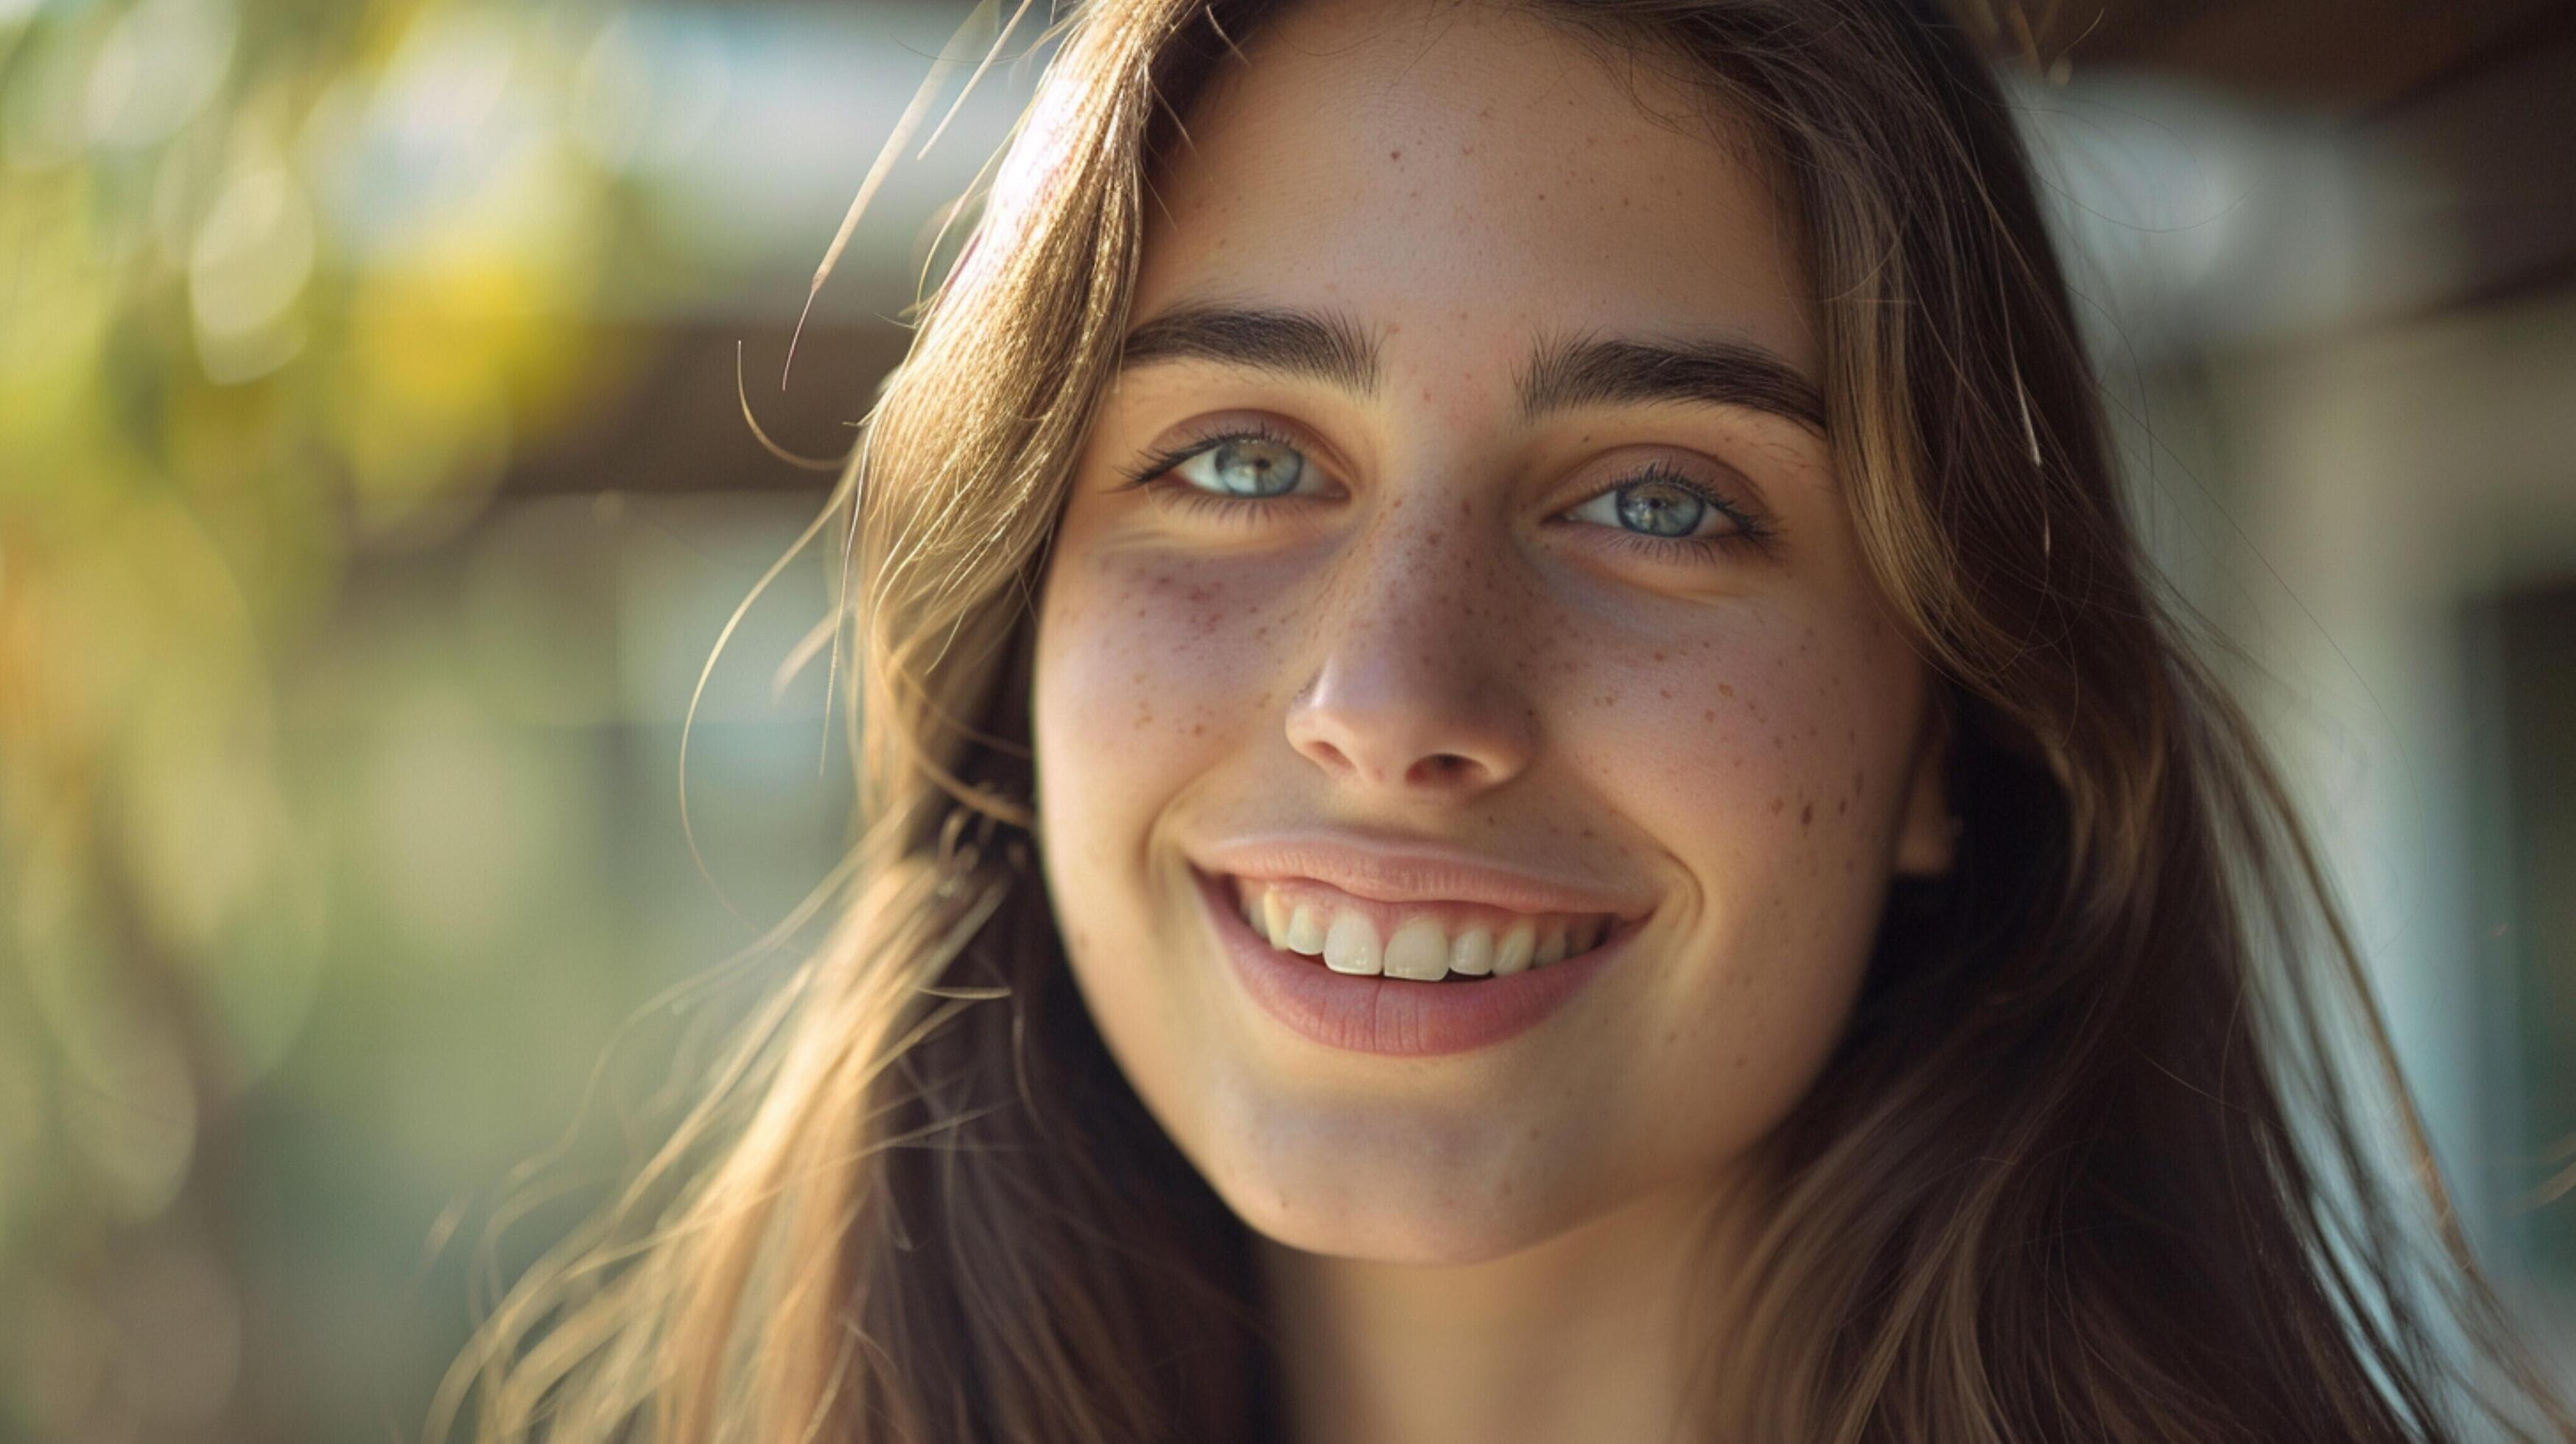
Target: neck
1584	1336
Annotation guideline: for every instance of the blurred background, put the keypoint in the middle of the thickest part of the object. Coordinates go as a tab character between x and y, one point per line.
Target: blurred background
375	485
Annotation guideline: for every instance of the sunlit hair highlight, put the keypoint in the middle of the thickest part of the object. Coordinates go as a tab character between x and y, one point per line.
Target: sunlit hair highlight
2090	1163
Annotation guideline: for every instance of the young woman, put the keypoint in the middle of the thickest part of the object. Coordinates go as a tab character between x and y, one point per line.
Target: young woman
1522	783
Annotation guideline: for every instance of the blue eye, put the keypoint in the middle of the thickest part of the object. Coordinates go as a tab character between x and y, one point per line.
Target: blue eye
1662	506
1244	466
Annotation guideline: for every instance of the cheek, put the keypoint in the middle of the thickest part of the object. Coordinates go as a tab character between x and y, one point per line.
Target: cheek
1150	680
1757	747
1765	761
1141	667
1151	674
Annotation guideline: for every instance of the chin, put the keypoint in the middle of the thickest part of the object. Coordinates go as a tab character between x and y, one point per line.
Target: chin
1412	1195
1378	1234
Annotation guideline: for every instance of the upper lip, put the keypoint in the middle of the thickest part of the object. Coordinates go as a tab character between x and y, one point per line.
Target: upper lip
1406	871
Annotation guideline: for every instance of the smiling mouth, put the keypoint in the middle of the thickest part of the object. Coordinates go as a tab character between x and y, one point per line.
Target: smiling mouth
1420	942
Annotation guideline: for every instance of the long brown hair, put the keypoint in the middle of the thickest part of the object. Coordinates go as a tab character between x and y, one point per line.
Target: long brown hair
2090	1163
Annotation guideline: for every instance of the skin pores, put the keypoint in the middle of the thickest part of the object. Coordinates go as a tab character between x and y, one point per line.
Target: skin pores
1445	635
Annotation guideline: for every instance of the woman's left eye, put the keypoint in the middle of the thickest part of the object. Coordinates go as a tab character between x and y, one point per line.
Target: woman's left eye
1662	507
1242	466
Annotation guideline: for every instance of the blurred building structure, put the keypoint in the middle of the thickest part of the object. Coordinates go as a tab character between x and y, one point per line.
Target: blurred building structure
374	485
2328	250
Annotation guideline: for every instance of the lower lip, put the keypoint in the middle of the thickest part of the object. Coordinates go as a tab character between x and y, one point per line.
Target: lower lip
1395	1016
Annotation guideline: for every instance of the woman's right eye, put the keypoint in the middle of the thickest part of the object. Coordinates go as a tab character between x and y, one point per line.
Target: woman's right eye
1242	466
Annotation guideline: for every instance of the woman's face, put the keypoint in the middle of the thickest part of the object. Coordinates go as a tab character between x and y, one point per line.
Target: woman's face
1458	561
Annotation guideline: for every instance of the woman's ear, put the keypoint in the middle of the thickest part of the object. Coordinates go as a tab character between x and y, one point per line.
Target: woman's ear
1927	840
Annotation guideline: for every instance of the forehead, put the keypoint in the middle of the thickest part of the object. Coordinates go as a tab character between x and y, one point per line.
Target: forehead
1467	173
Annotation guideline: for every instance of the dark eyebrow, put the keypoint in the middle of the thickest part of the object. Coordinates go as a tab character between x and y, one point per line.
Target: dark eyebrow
1314	344
1583	371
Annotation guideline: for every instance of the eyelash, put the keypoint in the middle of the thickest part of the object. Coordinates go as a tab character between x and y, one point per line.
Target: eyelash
1750	531
1153	468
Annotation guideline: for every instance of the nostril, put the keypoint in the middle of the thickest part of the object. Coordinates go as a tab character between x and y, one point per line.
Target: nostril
1326	753
1445	765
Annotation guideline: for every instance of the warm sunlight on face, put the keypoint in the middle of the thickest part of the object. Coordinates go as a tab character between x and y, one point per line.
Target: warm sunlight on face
1456	582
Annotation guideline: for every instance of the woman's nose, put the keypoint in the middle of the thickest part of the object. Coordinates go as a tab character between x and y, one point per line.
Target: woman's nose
1413	689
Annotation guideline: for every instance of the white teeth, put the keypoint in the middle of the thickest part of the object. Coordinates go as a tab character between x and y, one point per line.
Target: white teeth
1421	949
1305	931
1551	946
1351	946
1418	951
1473	953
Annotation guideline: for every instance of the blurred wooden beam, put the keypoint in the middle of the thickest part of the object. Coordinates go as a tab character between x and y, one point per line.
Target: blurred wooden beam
2339	56
679	425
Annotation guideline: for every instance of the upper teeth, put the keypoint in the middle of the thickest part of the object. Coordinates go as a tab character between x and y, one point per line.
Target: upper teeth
1421	945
